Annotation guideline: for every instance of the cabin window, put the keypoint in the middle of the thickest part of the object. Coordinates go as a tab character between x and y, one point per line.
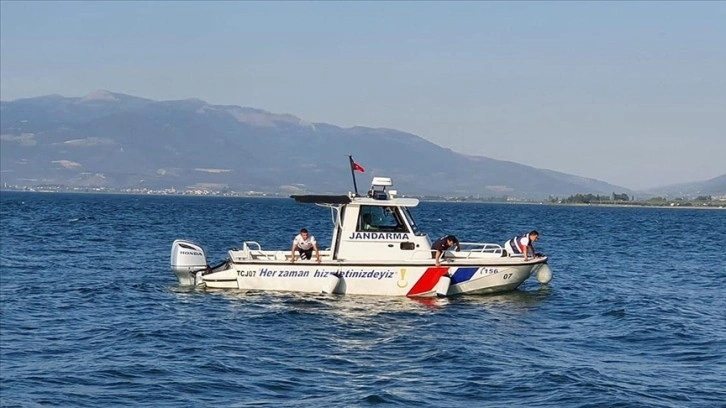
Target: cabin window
411	222
375	218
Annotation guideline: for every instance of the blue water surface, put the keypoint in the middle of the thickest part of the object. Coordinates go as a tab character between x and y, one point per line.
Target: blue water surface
91	314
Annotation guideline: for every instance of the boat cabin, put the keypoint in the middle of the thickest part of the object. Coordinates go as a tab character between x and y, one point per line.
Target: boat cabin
377	227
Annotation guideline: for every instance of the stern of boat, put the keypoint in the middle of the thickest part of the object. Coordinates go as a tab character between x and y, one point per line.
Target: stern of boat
187	261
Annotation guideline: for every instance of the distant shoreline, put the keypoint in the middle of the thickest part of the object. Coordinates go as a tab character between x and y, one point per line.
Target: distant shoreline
713	205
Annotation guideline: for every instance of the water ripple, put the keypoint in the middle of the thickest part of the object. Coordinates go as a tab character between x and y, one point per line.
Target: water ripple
90	314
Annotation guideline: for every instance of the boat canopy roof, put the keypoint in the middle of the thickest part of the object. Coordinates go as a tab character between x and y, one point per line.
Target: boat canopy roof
344	200
400	202
377	196
322	199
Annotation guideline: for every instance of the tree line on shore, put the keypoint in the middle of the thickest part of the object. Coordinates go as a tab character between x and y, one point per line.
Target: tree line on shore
623	198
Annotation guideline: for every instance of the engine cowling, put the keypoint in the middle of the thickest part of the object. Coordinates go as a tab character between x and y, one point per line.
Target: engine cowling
187	258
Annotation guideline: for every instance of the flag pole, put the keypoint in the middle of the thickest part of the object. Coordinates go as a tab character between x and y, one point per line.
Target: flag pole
352	173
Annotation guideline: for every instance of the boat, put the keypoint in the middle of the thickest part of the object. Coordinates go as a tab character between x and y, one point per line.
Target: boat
376	249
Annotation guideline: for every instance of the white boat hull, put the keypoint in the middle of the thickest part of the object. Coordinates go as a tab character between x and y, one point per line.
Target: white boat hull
380	279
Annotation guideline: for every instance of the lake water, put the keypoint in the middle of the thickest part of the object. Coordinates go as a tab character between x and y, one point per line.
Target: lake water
635	315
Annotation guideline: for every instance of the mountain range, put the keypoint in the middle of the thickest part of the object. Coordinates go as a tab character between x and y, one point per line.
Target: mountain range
119	141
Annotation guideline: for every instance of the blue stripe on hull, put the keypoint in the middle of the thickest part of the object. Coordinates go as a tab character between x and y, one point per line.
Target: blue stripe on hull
463	275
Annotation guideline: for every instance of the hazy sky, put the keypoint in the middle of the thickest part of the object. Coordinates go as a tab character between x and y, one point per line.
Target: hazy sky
632	93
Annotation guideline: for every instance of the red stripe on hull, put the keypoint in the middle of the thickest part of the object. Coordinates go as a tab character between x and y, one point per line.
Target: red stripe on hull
428	281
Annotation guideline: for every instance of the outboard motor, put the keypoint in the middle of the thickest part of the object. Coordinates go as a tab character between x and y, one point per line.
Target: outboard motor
187	259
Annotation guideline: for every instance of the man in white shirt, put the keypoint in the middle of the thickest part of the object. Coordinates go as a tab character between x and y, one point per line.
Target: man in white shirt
304	243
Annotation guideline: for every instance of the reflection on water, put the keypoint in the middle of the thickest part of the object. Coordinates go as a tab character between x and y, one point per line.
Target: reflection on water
362	306
517	299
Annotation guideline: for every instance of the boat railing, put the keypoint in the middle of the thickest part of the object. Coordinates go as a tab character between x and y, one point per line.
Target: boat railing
469	249
481	246
253	250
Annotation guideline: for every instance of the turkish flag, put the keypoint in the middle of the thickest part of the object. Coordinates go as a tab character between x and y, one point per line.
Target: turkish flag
357	167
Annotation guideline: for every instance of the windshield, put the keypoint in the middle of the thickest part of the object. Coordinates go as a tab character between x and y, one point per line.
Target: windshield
411	222
375	218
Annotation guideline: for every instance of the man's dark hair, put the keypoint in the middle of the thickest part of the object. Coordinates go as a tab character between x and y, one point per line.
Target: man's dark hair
534	232
304	230
452	239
